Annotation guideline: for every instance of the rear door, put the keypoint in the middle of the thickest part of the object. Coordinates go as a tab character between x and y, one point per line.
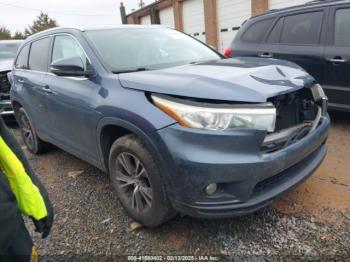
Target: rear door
299	37
29	77
337	54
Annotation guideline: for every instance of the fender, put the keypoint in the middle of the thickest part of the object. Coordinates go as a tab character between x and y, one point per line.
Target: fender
133	129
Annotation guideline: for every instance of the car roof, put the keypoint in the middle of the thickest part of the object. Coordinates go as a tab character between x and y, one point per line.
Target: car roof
316	3
60	29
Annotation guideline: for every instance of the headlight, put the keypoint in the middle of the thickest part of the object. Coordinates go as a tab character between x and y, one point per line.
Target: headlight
9	77
319	96
218	117
318	93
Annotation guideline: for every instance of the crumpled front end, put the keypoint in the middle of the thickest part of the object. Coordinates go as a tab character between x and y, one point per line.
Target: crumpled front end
248	167
5	102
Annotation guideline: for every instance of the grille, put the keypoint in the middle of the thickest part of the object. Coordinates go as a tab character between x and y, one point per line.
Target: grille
294	108
4	84
295	115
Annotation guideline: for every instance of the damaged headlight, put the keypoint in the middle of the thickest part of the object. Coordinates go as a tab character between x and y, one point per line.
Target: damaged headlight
320	97
218	117
318	93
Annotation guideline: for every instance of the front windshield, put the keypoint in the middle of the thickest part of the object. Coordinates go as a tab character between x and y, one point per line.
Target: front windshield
8	50
147	48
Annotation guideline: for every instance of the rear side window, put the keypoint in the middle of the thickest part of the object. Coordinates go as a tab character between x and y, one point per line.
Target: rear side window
22	58
342	27
39	52
274	36
302	29
257	31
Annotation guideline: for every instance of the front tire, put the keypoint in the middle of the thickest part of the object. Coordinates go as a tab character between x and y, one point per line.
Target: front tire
136	178
33	143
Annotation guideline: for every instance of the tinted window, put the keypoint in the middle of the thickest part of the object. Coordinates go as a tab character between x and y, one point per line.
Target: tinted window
65	47
38	56
22	59
274	36
257	31
342	27
302	28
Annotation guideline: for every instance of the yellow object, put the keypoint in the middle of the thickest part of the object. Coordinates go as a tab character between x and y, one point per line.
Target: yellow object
29	200
35	255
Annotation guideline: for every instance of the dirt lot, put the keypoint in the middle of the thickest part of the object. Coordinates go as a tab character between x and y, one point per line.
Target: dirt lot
313	221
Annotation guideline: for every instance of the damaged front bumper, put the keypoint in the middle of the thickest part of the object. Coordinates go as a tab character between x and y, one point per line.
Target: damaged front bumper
247	178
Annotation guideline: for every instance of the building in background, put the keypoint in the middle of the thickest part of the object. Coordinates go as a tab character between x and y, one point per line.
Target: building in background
212	21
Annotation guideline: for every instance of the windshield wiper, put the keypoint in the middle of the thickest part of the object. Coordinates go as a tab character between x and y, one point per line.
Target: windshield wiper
130	70
201	61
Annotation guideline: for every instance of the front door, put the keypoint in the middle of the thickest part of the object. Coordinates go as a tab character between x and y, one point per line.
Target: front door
337	54
70	103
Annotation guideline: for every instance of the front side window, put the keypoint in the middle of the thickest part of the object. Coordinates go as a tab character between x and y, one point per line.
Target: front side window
38	56
22	58
302	29
342	27
257	31
150	48
67	47
8	50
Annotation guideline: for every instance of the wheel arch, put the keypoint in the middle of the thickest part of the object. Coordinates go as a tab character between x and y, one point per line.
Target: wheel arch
16	105
109	129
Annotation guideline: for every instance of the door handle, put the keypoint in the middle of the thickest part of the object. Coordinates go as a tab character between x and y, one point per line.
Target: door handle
337	59
266	55
20	80
46	89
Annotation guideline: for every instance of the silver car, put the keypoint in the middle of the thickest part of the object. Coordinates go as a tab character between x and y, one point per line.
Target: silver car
8	51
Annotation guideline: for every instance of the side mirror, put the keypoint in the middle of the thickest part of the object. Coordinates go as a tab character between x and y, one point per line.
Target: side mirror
71	66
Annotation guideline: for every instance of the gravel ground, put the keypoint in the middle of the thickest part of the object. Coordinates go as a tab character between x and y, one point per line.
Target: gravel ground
312	222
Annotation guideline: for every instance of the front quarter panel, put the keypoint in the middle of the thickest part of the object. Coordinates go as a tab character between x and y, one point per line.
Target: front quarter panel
129	105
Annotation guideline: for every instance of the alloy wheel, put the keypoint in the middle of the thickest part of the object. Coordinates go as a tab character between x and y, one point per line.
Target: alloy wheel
133	182
26	131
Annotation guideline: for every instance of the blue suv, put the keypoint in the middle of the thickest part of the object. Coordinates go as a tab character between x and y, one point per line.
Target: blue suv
177	127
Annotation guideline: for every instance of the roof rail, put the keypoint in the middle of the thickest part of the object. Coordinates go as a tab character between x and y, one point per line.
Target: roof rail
321	1
313	2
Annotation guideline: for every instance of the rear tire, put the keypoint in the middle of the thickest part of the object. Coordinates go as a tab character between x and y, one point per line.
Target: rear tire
136	178
33	143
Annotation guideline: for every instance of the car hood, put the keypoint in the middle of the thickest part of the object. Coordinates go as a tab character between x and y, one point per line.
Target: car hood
239	79
6	65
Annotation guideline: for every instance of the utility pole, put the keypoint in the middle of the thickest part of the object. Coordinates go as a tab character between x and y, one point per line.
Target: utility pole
141	3
123	13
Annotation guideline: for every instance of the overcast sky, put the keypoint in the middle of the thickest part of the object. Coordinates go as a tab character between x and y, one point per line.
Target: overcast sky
18	14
